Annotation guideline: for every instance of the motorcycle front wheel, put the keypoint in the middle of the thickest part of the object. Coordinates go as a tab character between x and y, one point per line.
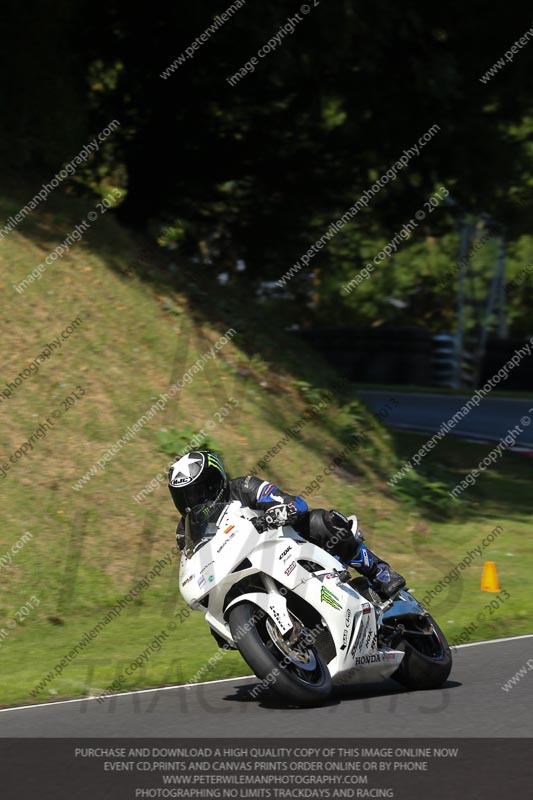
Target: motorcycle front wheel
296	672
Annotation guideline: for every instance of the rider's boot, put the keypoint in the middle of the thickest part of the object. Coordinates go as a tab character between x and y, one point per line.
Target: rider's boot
349	548
384	580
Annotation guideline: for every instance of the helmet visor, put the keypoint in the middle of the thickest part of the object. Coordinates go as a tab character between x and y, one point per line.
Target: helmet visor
204	491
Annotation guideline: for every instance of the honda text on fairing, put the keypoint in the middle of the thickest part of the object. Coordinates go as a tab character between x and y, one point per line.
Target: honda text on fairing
295	614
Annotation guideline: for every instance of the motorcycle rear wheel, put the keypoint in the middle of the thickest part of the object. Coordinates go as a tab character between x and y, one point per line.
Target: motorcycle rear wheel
301	677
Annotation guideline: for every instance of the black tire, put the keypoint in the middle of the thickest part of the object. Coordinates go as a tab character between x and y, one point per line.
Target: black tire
248	625
427	661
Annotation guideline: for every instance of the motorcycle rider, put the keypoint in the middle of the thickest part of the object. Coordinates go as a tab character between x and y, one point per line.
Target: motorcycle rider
199	477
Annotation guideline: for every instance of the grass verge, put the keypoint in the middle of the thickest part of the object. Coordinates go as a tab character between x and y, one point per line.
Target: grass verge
90	545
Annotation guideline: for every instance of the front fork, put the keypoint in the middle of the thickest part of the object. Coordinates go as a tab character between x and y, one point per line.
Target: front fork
290	634
298	633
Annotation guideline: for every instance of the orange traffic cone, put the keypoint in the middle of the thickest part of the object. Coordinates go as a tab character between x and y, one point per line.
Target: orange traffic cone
489	578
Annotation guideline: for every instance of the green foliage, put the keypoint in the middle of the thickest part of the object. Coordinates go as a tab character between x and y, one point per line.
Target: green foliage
311	394
170	306
429	494
174	441
357	415
216	177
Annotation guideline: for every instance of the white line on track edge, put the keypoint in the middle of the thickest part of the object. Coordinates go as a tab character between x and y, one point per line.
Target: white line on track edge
123	694
220	680
493	641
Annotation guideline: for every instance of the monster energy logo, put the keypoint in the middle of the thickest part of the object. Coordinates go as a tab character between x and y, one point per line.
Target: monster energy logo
328	597
213	461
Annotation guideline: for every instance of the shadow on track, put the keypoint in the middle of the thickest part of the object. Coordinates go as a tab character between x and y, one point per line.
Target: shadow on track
268	699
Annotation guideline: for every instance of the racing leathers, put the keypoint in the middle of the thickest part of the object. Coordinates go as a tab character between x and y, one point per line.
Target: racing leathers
330	530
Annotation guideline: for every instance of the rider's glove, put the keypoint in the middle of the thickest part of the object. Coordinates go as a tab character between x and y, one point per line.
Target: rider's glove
280	515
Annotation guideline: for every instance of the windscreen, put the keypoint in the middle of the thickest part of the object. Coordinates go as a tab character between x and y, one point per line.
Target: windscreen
201	524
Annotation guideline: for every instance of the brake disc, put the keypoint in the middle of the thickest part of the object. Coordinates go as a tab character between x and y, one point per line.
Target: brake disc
297	653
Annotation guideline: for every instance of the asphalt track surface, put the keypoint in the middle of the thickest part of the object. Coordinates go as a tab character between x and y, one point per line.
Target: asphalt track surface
490	421
471	704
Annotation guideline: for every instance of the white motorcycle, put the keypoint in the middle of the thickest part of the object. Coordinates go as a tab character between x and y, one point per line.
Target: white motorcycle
298	618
